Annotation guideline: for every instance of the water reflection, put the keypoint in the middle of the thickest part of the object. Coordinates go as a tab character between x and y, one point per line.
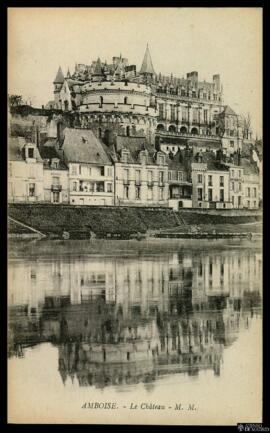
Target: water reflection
134	319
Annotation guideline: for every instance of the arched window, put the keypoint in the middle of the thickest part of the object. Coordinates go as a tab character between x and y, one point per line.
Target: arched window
125	100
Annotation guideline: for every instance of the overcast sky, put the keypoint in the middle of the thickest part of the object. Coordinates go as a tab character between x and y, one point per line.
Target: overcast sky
227	41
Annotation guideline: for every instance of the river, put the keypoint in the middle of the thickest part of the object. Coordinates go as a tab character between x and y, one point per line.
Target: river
148	331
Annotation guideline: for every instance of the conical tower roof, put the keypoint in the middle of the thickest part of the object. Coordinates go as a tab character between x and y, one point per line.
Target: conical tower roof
59	79
147	65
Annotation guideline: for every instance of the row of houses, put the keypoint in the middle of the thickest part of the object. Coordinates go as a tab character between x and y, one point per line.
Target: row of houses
78	168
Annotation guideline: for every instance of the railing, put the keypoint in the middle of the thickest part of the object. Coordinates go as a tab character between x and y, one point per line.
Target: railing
56	188
187	134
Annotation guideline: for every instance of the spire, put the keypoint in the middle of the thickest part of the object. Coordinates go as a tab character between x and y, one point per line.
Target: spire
59	79
147	65
98	70
68	74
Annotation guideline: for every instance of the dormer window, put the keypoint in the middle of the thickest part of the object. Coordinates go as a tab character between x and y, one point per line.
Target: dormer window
161	159
30	152
124	156
55	163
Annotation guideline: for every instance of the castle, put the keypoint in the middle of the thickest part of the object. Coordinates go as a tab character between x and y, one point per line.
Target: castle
117	136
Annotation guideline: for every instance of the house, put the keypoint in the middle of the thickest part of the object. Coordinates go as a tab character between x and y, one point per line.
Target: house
25	171
141	174
90	168
210	181
180	186
55	172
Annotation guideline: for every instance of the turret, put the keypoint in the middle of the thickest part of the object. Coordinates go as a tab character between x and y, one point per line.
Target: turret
58	82
147	68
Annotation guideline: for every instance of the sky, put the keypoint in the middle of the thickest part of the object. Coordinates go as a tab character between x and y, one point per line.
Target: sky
227	41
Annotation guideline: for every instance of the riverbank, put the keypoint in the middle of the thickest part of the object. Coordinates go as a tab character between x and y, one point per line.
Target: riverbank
84	222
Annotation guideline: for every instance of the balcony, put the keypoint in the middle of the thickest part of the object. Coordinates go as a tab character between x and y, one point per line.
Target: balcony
150	183
56	188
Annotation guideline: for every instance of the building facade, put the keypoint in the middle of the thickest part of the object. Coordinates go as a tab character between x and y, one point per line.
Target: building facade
90	170
25	172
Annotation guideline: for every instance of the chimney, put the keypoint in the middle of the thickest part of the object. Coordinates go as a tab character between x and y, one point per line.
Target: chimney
60	133
216	81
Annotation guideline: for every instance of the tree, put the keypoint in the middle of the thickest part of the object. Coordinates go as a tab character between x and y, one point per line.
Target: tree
15	100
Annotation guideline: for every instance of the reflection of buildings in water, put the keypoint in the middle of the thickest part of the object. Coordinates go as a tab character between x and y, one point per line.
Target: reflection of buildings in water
126	320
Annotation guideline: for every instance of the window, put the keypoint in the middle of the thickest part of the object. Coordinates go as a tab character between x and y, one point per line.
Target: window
150	194
221	195
109	171
180	175
124	156
248	192
232	186
210	268
125	100
199	178
100	186
221	180
32	189
126	192
232	173
109	187
137	177
233	200
199	193
195	115
239	200
137	192
239	174
161	110
30	153
56	180
126	175
210	194
74	169
232	143
56	197
254	193
150	176
248	203
184	114
161	193
170	175
173	112
161	159
74	186
255	205
102	171
161	176
210	180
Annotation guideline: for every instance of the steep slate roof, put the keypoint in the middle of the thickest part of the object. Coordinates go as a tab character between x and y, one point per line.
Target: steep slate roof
249	167
135	145
81	145
59	79
228	110
15	149
147	65
48	153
